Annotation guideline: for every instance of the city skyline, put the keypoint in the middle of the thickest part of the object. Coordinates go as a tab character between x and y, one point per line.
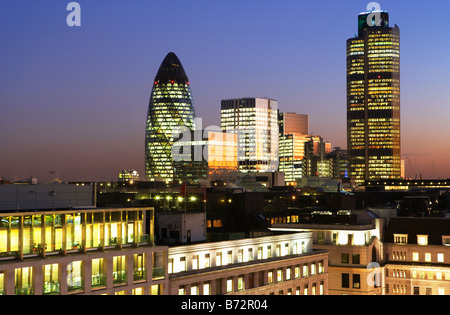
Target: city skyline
59	81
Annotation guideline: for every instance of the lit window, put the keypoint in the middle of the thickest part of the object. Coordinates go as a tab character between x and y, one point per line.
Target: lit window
279	275
440	258
400	238
422	240
230	285
241	285
428	257
415	257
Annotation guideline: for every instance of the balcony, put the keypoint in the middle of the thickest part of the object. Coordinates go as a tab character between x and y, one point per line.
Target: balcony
51	287
159	273
120	277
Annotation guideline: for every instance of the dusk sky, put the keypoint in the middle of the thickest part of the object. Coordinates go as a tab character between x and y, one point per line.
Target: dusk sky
74	100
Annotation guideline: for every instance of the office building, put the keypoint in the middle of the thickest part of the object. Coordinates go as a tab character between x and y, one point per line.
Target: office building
171	107
292	154
294	130
205	156
128	176
255	120
81	252
373	99
270	265
291	123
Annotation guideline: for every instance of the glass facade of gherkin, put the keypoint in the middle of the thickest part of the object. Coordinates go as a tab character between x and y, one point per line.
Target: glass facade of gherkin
171	106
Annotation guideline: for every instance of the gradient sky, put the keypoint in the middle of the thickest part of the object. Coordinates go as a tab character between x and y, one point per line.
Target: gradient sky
74	100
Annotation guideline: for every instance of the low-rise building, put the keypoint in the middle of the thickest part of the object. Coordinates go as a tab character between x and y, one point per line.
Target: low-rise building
279	265
94	251
352	239
417	254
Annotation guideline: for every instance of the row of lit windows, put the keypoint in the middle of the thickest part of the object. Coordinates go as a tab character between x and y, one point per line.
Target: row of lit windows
52	282
272	277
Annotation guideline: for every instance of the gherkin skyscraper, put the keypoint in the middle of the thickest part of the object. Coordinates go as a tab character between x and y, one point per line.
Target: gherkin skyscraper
171	106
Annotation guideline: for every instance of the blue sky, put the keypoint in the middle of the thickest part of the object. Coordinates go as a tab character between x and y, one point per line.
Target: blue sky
74	100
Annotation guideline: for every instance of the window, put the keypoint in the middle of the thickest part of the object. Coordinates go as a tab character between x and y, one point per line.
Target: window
207	261
229	285
440	258
320	238
313	269
446	240
428	291
345	280
230	257
415	256
74	276
441	291
250	254
240	255
355	259
2	283
182	265
356	281
51	279
181	290
428	257
119	270
422	240
270	277
98	275
401	239
206	288
297	272
139	270
279	275
195	262
219	259
194	289
416	291
305	271
345	258
260	252
241	284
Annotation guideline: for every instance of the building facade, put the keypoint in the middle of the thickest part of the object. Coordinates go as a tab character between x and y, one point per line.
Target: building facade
291	123
373	99
171	107
417	256
83	252
278	265
255	120
354	248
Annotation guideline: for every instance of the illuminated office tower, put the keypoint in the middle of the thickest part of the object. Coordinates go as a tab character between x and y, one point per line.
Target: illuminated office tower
171	106
373	99
255	120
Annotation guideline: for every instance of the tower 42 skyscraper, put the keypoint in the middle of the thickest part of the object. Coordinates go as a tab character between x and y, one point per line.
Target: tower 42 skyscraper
171	106
373	99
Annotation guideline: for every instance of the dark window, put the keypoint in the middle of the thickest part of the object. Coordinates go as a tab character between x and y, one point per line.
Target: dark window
345	280
356	281
355	259
344	258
